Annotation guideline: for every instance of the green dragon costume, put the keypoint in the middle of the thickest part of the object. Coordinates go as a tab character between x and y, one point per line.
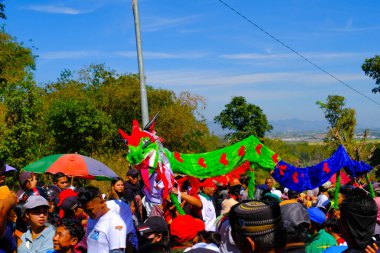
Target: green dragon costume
158	165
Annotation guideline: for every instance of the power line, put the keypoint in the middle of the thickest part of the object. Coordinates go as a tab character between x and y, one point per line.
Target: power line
297	53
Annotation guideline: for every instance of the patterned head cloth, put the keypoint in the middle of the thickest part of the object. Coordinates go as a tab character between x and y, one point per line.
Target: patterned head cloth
255	218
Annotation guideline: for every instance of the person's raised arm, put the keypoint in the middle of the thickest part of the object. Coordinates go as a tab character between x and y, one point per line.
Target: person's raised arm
190	199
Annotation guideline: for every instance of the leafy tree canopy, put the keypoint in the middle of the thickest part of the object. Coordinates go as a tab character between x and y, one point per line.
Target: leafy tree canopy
16	61
2	9
20	136
117	97
371	68
342	123
244	119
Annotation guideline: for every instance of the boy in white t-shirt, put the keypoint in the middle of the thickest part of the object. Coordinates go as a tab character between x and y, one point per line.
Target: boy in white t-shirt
106	230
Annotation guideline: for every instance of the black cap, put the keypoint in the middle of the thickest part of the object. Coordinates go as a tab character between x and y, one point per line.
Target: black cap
132	172
154	224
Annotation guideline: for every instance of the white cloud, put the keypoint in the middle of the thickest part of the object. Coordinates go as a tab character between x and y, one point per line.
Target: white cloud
153	24
200	79
124	54
56	9
67	55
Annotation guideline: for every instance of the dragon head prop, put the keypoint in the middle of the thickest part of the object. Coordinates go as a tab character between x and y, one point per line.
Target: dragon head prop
143	144
147	154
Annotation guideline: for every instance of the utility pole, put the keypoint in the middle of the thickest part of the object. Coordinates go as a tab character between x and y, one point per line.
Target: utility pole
143	95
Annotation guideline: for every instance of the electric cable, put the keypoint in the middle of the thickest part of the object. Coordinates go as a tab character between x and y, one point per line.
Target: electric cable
297	53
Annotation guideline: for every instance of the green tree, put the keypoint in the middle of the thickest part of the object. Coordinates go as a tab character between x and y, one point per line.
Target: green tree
371	68
20	136
16	61
77	126
342	128
2	9
118	96
244	119
342	123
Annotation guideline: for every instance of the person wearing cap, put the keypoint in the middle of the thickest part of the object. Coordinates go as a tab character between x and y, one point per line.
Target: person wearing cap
70	208
319	240
185	230
357	223
208	189
296	223
256	226
39	237
67	236
154	230
133	192
27	181
106	231
323	194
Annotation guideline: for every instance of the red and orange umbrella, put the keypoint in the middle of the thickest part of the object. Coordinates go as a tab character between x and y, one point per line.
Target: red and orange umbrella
72	165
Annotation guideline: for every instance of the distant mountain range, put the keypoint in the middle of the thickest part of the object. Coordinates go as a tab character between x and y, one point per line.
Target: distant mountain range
298	125
286	126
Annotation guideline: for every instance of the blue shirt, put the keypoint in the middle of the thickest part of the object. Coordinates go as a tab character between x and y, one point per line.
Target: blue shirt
7	241
42	244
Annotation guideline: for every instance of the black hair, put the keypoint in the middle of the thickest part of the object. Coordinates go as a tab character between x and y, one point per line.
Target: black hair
333	224
292	194
322	189
299	234
210	237
57	176
314	226
235	190
88	193
74	227
21	225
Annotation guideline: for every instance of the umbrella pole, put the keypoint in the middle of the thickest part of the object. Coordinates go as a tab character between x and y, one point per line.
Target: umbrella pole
337	187
72	181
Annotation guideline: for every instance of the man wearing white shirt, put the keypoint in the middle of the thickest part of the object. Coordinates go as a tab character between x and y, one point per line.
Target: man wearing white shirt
106	230
125	212
208	209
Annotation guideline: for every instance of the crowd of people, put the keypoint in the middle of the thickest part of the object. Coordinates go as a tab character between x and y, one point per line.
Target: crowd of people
212	218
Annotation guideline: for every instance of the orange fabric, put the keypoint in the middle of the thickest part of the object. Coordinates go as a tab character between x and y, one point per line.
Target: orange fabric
71	164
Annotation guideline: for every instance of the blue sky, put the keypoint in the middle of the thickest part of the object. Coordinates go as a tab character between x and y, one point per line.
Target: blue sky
203	47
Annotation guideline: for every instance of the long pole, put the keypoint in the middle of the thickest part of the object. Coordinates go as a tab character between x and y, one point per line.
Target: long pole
143	95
